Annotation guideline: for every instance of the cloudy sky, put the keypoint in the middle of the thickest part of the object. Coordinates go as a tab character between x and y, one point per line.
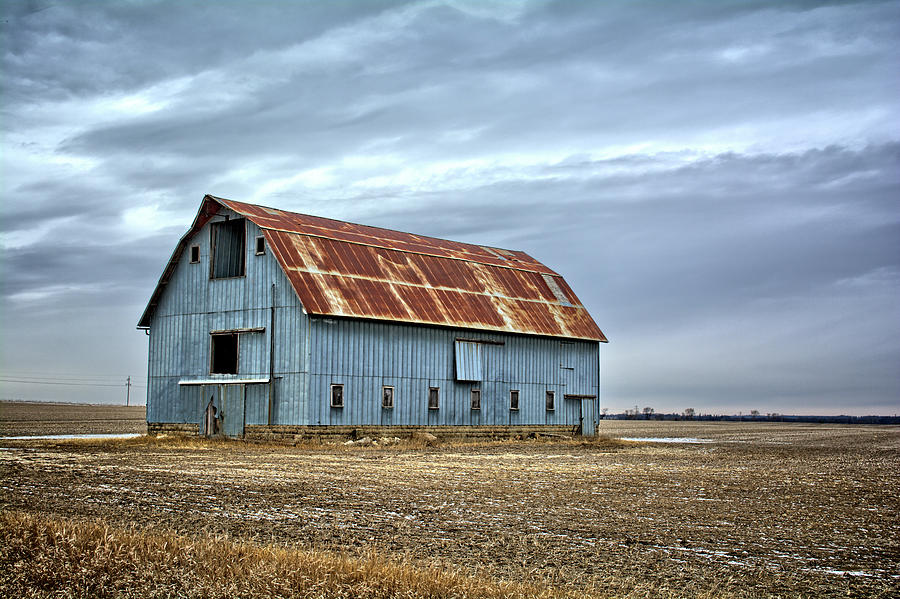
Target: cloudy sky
718	181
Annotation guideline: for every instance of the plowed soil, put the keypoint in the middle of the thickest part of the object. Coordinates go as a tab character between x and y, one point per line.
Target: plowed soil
755	510
19	418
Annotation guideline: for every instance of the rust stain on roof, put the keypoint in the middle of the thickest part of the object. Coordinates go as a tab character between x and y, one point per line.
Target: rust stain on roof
344	269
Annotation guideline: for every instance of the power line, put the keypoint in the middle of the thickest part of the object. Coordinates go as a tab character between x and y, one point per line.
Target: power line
67	379
64	376
67	384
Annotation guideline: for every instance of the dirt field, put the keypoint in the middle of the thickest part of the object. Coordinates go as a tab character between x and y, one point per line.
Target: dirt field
25	418
758	510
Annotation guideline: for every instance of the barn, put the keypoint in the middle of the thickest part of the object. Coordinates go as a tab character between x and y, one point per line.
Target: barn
269	324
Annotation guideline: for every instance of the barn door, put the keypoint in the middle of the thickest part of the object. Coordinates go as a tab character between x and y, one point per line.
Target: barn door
588	416
586	412
233	397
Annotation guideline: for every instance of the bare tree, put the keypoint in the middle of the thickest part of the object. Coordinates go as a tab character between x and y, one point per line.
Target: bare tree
754	413
689	413
648	412
603	413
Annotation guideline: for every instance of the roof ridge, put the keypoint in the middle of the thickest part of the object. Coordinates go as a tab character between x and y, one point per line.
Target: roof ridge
366	226
547	270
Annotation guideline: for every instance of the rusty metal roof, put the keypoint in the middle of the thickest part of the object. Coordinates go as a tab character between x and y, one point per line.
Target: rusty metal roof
344	269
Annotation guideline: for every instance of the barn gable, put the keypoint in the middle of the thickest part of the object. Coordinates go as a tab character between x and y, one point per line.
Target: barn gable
347	270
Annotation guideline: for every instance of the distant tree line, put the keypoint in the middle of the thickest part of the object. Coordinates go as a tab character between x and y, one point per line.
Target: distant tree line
648	413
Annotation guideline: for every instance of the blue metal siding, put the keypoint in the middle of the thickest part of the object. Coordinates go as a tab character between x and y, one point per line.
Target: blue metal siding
364	356
193	305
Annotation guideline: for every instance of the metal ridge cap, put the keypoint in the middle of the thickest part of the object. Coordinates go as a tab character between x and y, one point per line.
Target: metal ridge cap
347	222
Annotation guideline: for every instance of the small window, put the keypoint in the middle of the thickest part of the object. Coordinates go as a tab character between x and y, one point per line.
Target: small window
514	400
551	401
433	398
260	245
476	399
195	254
337	396
387	397
223	353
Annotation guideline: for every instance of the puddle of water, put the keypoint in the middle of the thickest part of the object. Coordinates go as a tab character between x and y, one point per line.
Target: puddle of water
667	439
49	437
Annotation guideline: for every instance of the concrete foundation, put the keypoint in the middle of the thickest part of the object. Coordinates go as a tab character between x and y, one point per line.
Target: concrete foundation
291	434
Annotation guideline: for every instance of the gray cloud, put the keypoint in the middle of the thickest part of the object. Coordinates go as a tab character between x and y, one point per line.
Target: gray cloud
722	229
717	180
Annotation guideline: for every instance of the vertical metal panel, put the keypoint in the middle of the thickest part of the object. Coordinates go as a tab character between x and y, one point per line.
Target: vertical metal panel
468	361
587	411
232	397
256	406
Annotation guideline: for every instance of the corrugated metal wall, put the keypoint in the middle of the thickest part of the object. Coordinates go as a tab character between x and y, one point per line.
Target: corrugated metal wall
361	355
193	305
364	356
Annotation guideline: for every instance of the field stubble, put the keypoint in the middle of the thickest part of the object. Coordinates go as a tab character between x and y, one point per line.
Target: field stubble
761	510
45	418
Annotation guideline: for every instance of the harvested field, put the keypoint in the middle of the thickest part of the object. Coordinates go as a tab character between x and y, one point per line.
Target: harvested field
19	418
759	510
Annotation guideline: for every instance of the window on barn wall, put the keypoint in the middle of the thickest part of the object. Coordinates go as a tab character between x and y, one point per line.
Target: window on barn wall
387	397
468	360
227	249
433	398
260	245
476	399
551	401
223	357
337	396
513	400
195	254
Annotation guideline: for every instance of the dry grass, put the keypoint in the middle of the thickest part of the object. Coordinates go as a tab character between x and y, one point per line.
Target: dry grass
195	442
53	557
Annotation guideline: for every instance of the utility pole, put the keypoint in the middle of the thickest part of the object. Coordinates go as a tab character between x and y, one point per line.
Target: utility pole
128	391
